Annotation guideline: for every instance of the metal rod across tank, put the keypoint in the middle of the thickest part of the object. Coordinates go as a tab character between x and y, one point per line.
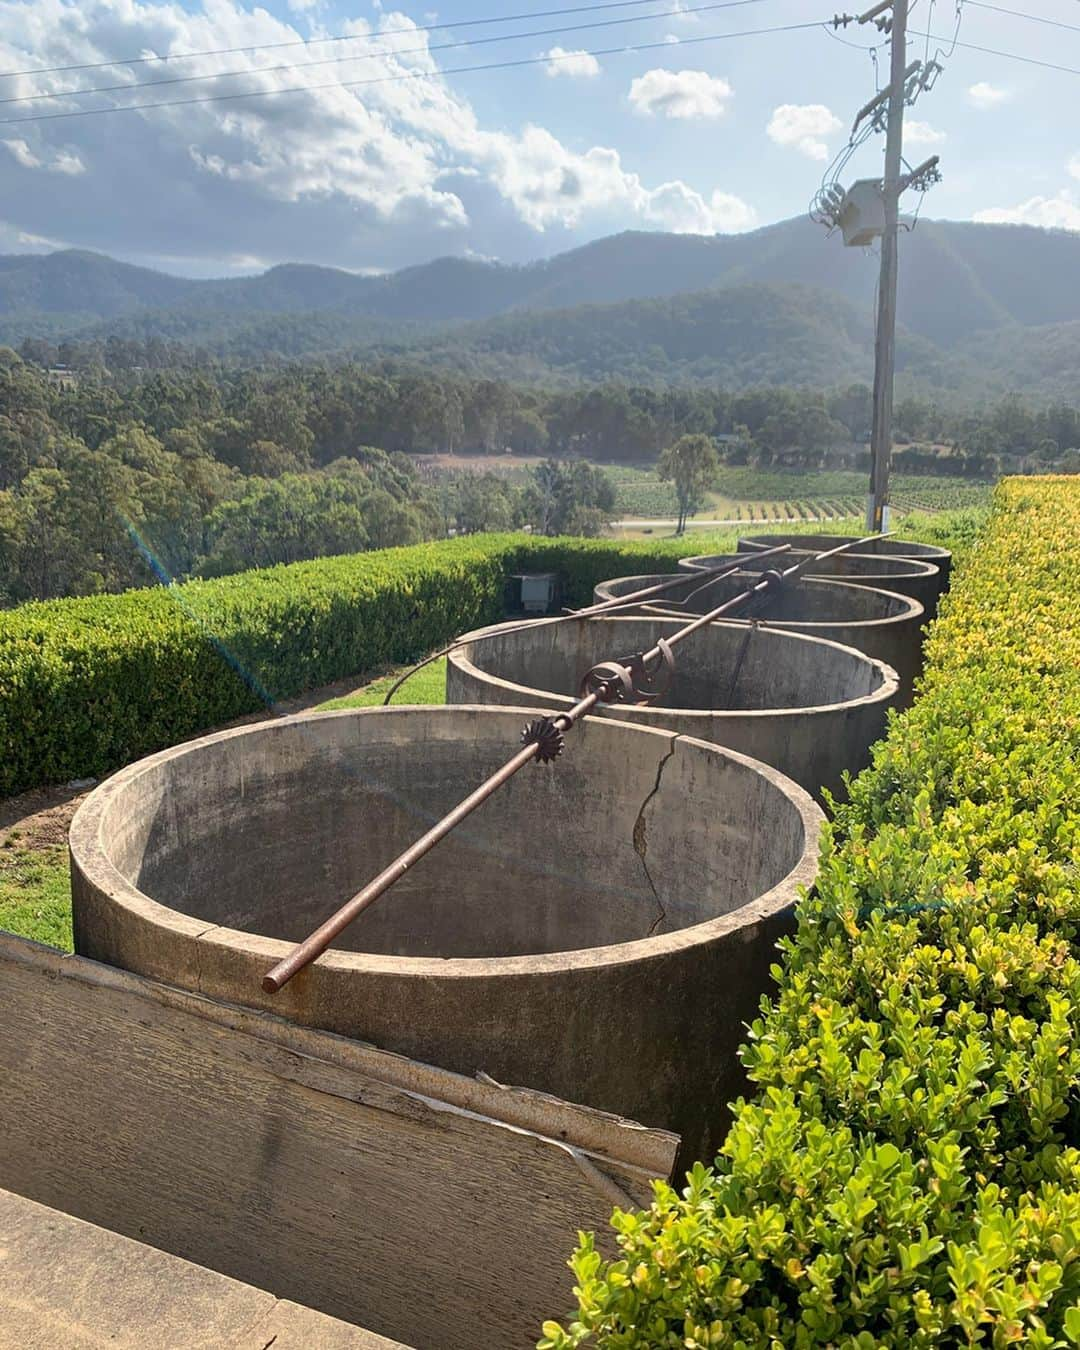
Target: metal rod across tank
607	682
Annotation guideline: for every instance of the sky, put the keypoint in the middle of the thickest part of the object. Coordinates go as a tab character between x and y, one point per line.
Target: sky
671	126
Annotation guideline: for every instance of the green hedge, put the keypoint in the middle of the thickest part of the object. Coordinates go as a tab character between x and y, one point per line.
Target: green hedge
906	1173
87	685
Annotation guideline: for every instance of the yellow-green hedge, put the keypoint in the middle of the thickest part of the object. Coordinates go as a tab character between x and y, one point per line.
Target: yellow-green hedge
907	1172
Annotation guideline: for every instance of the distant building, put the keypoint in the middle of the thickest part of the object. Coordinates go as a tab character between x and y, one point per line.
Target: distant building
63	377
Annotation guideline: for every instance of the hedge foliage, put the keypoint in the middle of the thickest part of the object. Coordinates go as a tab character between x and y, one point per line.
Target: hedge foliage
907	1171
87	685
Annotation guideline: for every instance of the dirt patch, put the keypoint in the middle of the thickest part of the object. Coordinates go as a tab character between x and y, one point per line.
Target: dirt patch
40	818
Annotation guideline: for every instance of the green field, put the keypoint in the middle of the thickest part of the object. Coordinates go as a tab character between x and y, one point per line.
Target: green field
760	496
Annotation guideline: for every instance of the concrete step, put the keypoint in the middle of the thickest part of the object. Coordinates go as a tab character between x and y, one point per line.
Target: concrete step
69	1285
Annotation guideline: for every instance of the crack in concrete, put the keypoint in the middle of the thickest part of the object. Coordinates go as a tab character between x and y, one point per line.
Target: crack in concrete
641	843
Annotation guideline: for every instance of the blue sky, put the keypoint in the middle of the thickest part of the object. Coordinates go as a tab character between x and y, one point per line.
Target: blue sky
695	136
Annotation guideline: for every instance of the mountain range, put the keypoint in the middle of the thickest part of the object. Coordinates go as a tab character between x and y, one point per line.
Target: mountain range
982	309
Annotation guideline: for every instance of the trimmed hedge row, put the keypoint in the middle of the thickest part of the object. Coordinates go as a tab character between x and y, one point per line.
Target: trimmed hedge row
906	1173
89	684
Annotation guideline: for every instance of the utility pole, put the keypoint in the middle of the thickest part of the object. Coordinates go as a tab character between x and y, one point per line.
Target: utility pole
877	502
870	209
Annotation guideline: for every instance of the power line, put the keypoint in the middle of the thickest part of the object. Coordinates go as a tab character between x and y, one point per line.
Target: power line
1019	14
408	75
855	46
1009	56
374	56
339	37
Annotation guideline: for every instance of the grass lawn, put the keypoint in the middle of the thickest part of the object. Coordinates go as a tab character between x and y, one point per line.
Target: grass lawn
35	895
426	686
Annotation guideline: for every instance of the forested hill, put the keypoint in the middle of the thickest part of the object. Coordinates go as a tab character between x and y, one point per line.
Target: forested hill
956	278
738	337
984	309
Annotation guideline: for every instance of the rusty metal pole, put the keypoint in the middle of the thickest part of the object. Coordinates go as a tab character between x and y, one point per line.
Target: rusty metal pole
314	946
604	683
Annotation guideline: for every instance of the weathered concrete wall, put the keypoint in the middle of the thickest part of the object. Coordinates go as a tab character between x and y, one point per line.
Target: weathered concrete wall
941	558
809	708
70	1285
920	581
885	626
600	929
435	1210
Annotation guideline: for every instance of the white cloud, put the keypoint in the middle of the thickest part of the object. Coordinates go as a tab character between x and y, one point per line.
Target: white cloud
1073	166
64	161
983	95
577	63
803	126
67	161
375	176
1054	213
921	133
553	186
681	12
23	154
680	93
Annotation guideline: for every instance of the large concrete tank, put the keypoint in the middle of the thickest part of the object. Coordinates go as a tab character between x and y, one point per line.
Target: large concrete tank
882	624
919	581
941	558
601	928
809	708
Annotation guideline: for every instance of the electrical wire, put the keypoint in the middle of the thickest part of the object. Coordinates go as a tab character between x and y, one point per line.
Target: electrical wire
373	56
339	37
1019	14
856	46
1009	56
940	54
407	75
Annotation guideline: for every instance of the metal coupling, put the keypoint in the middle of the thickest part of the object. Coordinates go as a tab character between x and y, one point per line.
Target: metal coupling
610	681
547	734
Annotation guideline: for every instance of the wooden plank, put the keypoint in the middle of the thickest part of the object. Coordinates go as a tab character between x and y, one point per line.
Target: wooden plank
431	1209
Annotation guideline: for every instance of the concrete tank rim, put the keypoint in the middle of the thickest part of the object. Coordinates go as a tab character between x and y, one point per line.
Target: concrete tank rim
914	567
885	693
932	550
90	859
911	610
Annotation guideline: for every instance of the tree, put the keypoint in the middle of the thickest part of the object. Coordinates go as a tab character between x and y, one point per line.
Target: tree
560	491
691	464
483	502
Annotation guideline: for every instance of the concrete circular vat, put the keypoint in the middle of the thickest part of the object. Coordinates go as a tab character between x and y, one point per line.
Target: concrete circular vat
881	624
601	928
810	708
920	581
941	558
